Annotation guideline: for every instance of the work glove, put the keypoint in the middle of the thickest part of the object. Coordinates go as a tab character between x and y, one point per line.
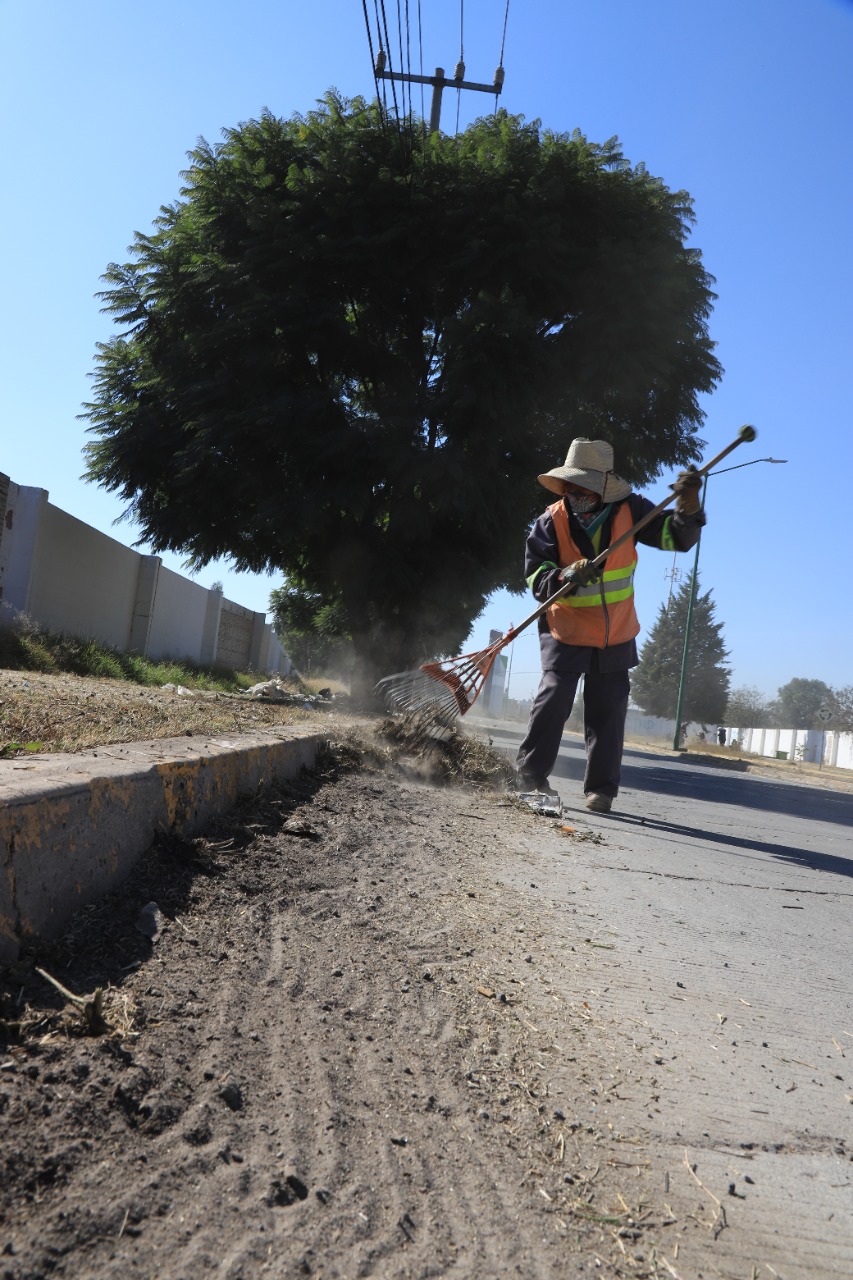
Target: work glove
581	574
686	488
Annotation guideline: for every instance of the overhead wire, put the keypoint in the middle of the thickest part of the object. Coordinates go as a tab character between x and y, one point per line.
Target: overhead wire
390	65
405	86
503	47
410	113
406	68
381	47
405	107
421	57
372	58
461	56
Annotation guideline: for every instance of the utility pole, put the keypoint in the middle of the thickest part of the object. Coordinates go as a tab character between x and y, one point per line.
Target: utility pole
676	742
439	84
674	576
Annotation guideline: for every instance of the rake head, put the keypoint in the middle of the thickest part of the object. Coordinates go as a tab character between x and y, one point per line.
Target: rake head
433	697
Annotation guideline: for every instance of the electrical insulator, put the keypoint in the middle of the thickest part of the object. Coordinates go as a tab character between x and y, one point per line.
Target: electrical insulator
499	78
380	61
459	73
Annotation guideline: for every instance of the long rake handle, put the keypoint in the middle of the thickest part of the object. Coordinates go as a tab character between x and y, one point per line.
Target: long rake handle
746	433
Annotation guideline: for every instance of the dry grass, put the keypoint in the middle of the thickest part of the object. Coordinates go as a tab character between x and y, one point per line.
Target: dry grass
73	713
711	753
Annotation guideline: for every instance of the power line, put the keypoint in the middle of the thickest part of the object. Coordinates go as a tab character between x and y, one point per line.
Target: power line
379	60
372	57
388	49
383	67
409	58
503	37
400	43
421	56
499	74
460	66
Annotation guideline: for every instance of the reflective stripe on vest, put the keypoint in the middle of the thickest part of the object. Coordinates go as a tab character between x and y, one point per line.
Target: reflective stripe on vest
602	613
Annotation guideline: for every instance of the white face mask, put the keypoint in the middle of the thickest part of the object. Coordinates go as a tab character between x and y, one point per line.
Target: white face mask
583	503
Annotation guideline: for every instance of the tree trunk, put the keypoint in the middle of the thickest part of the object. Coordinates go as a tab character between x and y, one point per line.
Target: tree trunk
378	653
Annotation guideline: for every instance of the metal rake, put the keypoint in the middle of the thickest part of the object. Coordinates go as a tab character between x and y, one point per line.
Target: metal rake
432	698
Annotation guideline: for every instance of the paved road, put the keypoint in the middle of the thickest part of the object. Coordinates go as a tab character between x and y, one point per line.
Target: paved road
724	901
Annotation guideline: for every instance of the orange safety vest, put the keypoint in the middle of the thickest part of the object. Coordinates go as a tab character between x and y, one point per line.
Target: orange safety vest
602	613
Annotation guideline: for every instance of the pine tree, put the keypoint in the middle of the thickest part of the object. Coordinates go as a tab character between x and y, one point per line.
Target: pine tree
654	683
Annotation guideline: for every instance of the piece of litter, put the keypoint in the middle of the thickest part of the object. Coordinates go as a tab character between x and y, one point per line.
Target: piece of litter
150	920
487	992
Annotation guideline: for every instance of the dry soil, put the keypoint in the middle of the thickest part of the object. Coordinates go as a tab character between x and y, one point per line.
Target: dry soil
330	1042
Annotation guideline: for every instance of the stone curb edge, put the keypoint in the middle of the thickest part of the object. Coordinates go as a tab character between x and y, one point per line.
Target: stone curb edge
72	827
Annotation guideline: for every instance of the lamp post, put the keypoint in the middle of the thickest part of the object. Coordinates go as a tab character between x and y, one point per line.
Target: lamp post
676	742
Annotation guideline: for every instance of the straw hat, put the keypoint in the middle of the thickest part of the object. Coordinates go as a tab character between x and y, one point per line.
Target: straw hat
589	463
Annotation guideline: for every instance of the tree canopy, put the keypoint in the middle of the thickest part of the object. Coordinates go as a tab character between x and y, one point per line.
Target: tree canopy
748	708
798	702
345	353
655	682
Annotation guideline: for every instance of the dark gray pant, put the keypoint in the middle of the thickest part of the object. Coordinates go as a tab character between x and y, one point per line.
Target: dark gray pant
605	705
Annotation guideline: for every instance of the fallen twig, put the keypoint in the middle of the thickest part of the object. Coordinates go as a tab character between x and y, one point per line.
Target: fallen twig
92	1007
719	1223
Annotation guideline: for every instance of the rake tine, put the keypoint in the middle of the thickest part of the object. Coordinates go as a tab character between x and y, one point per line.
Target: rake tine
427	706
432	699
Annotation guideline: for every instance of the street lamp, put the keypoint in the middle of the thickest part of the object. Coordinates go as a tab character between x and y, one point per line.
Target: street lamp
676	744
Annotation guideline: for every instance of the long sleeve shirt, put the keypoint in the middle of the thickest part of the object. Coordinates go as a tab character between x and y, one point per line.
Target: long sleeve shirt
668	529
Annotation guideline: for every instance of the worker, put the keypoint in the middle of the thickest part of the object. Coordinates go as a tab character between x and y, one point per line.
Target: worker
591	633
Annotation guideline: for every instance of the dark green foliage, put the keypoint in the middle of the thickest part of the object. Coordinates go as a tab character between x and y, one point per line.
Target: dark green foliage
312	630
348	360
654	683
842	710
798	703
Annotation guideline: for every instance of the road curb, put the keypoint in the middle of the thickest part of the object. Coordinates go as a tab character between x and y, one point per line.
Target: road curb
73	826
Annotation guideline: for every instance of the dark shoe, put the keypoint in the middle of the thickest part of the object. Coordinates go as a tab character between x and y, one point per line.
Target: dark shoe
598	803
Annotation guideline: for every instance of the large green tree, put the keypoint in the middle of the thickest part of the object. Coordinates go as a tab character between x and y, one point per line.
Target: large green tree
347	350
799	701
655	682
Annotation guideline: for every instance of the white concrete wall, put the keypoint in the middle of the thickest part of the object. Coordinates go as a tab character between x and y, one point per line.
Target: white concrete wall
812	746
70	578
177	623
83	582
22	509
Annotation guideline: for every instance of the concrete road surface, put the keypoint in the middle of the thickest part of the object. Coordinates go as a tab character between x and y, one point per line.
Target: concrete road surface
721	905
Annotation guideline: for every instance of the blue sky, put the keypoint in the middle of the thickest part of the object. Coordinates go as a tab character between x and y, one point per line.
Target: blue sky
745	103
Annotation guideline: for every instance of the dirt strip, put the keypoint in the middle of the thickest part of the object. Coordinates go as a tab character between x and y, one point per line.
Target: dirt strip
340	1055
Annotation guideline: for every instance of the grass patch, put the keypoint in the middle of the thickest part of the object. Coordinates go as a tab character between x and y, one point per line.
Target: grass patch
25	646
